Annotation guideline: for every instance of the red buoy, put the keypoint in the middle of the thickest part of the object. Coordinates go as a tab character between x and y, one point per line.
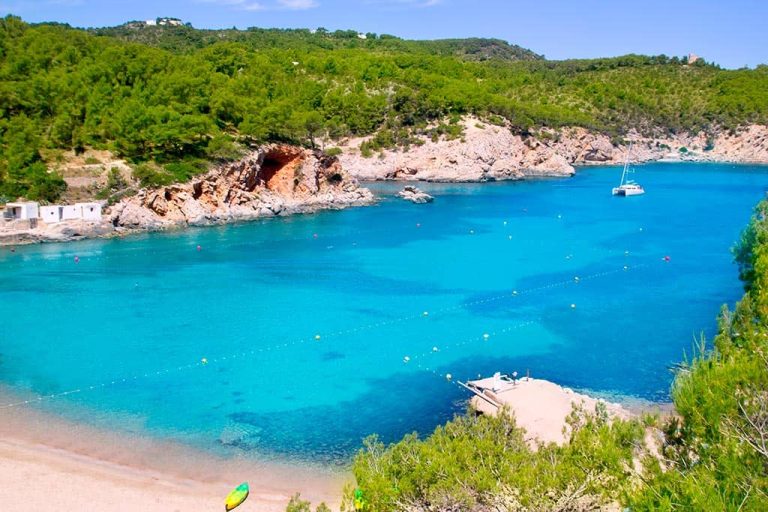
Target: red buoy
667	258
314	235
199	248
77	259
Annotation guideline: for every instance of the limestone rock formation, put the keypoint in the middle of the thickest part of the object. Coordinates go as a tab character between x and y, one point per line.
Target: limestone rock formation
275	180
415	195
488	153
485	153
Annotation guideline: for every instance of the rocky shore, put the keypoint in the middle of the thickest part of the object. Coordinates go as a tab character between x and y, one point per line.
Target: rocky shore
280	179
487	152
272	181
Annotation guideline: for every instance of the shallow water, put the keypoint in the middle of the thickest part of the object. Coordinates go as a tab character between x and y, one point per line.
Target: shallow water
134	317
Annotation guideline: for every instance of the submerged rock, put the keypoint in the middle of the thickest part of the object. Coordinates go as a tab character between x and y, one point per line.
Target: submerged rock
415	195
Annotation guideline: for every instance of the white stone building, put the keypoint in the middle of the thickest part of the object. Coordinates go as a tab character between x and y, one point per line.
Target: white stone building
51	214
71	212
22	211
89	211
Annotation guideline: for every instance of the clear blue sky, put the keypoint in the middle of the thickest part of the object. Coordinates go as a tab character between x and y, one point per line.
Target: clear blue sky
733	33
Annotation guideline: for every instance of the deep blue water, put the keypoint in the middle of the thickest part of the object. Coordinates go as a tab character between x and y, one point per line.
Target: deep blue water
253	298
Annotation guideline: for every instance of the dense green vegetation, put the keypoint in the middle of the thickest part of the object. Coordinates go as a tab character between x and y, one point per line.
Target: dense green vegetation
187	39
484	463
171	95
714	453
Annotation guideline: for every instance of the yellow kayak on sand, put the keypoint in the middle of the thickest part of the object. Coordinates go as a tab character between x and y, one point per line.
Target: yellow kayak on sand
237	497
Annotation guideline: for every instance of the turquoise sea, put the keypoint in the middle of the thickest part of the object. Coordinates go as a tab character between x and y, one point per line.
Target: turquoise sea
119	338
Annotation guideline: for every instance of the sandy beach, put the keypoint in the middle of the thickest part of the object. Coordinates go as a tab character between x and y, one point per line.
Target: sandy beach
50	464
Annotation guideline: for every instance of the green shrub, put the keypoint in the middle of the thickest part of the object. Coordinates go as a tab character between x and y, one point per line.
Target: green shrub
482	462
296	504
333	151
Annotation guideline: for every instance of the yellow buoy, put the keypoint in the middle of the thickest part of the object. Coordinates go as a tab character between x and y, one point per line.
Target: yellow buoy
204	360
317	337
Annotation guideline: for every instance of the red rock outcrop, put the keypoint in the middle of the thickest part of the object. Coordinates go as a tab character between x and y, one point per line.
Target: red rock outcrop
275	180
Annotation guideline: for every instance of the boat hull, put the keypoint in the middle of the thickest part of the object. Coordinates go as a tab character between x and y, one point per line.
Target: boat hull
628	191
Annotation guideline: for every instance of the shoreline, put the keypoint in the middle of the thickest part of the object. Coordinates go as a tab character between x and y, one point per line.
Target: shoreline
78	466
93	231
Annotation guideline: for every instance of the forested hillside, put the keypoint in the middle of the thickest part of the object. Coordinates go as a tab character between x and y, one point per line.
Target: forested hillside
187	39
64	88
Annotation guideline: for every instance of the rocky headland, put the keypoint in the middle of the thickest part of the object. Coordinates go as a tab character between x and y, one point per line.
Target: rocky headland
272	181
487	152
280	179
275	180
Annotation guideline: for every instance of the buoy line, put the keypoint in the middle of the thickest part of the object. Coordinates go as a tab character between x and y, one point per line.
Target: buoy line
205	361
485	337
318	337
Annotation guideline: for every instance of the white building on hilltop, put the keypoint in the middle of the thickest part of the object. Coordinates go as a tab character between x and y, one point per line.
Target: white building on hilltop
170	22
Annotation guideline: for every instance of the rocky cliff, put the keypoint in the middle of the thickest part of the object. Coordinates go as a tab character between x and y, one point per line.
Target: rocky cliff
275	180
488	153
484	153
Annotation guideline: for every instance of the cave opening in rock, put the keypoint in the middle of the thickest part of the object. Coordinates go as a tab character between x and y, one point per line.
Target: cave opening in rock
277	170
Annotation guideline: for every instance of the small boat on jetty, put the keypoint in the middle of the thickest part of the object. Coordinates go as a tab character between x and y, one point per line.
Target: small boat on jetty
628	187
488	389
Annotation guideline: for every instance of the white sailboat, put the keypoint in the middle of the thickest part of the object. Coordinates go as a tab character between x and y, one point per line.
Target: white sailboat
628	187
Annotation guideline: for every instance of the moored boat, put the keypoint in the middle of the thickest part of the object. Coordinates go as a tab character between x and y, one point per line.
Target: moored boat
628	187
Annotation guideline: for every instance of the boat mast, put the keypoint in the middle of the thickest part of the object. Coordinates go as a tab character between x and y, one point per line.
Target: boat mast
626	166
